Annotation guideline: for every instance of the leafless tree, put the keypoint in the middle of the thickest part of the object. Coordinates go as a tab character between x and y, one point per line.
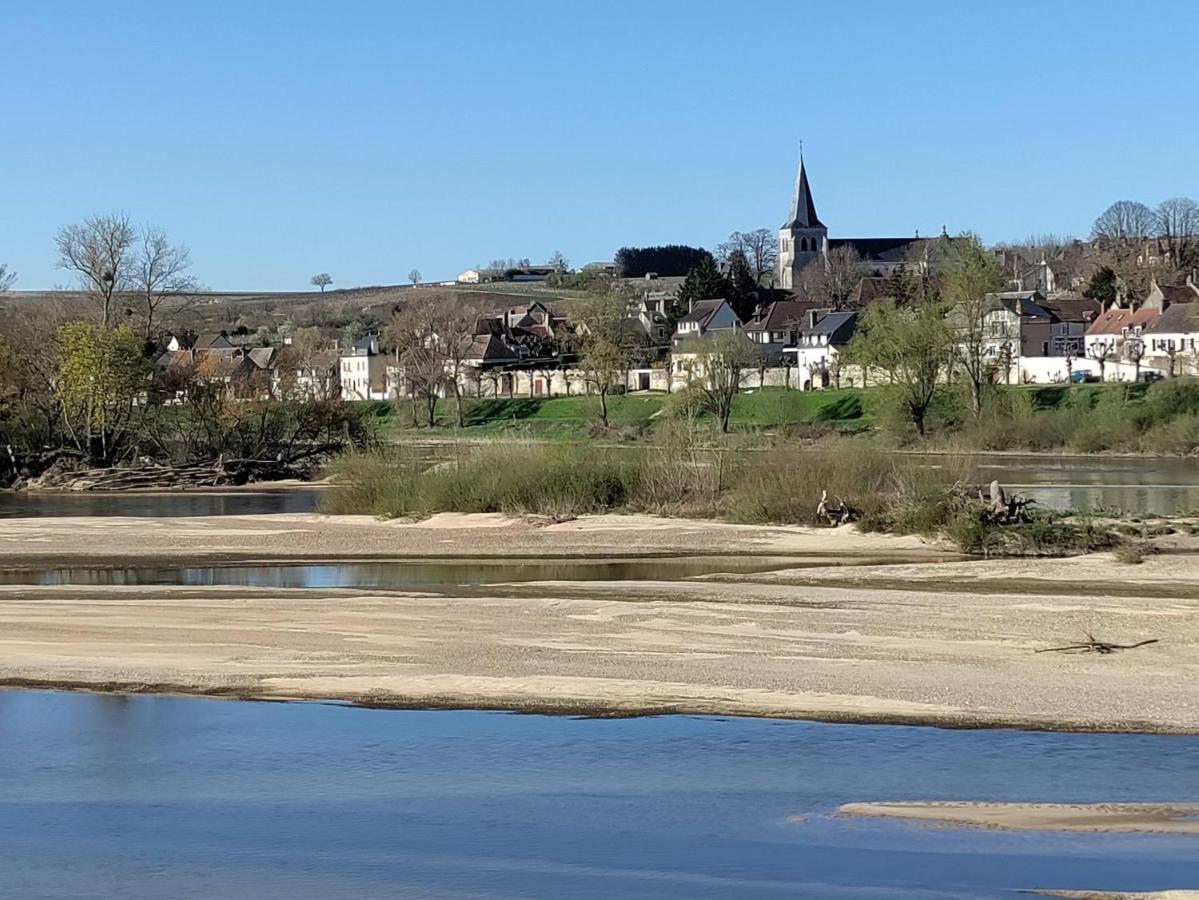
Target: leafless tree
414	277
415	333
724	358
832	278
6	278
760	247
558	261
1124	221
101	252
321	280
159	272
1178	224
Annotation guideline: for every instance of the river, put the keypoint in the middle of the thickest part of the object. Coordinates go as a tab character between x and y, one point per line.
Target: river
141	797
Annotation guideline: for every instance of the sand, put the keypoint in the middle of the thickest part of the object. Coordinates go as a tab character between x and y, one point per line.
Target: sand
887	643
1111	818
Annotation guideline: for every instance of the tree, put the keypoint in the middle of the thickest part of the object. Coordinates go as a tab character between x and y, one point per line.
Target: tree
831	278
743	289
760	249
968	277
1102	286
159	272
414	333
723	358
100	384
558	262
605	346
100	251
1124	221
1177	222
703	282
414	277
6	278
910	346
670	261
321	280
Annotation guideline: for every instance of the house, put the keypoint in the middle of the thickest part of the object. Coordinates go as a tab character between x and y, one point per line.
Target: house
214	360
314	378
1172	340
362	371
782	321
706	319
651	313
1116	340
815	356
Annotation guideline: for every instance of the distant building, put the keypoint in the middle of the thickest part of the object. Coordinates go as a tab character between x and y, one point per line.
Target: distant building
362	371
803	239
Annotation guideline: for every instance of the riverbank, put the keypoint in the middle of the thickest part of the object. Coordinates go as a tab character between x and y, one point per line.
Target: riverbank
837	643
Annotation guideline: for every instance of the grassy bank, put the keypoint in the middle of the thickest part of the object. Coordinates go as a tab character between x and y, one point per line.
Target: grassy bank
783	485
1162	418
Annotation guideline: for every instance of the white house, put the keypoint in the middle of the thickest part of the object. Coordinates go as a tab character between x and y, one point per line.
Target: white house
363	371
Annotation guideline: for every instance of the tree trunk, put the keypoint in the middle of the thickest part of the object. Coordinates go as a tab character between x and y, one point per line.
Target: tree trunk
603	394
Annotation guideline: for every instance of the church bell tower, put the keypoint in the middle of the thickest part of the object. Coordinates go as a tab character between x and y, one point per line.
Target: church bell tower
803	236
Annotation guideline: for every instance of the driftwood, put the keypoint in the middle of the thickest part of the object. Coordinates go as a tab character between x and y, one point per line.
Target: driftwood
160	477
835	514
1090	645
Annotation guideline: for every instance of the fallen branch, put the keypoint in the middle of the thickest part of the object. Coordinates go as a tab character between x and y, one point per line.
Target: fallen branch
1090	645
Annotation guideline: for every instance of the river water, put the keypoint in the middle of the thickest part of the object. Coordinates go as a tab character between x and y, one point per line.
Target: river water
150	797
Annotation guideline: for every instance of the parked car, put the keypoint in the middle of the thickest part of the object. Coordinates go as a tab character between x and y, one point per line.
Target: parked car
1150	376
1080	377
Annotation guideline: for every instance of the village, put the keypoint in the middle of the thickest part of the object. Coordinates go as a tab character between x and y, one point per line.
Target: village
1058	319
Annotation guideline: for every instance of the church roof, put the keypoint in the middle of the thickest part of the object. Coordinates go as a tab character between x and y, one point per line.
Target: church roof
877	249
803	209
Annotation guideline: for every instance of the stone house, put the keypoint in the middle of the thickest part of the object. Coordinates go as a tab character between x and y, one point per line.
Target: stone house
362	371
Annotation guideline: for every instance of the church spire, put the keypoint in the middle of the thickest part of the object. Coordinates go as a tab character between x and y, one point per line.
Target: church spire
803	210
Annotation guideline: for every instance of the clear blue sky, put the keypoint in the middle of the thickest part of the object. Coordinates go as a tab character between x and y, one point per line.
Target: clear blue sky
365	138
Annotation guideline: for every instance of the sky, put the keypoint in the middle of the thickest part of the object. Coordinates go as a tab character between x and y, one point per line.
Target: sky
365	139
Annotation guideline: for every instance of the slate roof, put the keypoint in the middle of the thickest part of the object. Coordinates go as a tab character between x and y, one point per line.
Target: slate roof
782	314
702	311
1179	318
887	250
803	209
838	326
1072	308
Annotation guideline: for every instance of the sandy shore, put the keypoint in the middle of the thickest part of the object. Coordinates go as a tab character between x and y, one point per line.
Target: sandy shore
884	643
1122	818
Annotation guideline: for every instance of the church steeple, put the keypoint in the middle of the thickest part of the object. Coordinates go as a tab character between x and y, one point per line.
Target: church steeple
803	237
803	210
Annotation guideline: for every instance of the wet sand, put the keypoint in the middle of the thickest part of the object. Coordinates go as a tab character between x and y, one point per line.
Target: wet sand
878	644
1109	818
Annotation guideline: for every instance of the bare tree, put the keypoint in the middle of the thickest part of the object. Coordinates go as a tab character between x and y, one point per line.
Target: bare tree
100	251
414	277
1123	221
1178	224
724	357
415	333
760	247
321	280
558	262
6	278
605	346
159	272
832	278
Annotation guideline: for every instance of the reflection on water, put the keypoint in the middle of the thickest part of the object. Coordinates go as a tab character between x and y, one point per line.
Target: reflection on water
416	573
180	503
146	797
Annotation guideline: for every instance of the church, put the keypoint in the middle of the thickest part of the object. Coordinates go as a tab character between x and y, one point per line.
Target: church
804	238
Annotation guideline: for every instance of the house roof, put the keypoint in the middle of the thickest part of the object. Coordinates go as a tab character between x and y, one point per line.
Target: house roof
212	342
1179	318
1114	321
702	311
1072	307
263	357
1178	293
1022	303
837	326
781	314
869	289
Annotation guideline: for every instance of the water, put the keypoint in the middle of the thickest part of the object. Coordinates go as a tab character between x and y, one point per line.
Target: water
180	503
401	574
140	797
1142	486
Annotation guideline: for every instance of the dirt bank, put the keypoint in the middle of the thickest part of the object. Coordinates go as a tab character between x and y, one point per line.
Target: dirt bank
839	643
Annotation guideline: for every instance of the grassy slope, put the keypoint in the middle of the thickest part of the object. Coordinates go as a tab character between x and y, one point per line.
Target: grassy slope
570	417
